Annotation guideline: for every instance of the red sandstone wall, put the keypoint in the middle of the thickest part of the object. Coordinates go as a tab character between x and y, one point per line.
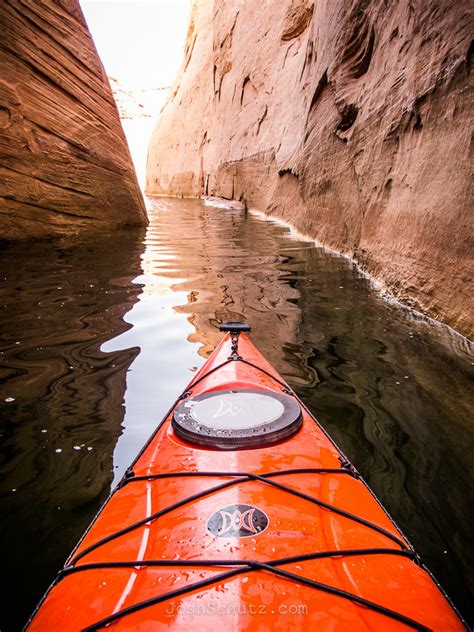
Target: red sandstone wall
349	119
64	160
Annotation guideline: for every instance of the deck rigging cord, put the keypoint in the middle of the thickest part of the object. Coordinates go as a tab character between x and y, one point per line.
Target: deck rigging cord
243	566
238	477
249	566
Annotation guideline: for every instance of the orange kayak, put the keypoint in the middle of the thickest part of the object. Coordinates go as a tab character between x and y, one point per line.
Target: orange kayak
240	513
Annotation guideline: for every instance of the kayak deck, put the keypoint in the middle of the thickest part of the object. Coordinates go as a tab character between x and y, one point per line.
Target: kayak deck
284	536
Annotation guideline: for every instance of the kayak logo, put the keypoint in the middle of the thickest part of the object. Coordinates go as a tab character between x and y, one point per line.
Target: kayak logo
237	521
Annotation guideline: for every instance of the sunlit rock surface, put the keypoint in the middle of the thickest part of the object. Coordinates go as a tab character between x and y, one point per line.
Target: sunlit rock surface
349	119
64	160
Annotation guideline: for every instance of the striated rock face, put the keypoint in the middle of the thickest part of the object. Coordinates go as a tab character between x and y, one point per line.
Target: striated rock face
347	118
64	160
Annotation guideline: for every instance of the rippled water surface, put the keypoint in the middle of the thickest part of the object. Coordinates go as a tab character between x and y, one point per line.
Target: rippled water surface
99	336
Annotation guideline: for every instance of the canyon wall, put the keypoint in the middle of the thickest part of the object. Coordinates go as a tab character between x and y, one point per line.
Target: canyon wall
347	118
64	161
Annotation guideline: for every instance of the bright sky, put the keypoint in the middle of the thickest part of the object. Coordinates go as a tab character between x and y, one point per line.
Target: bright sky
139	42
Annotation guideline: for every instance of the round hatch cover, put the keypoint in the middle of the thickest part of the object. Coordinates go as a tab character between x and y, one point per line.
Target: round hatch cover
240	418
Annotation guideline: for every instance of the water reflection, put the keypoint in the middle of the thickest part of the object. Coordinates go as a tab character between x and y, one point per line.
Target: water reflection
393	391
61	399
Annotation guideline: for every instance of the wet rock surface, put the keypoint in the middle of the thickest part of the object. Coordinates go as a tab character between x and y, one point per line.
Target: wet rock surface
347	119
65	163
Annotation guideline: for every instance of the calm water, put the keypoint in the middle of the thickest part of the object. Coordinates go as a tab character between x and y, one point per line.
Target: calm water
99	336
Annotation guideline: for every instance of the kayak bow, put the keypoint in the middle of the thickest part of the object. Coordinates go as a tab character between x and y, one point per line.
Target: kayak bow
241	513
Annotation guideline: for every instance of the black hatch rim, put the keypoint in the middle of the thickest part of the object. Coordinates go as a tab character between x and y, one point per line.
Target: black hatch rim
287	423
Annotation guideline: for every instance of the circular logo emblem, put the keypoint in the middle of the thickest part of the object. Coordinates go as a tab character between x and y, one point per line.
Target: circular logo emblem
237	521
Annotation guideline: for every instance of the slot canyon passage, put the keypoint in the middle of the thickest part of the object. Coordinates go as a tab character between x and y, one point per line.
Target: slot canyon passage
102	327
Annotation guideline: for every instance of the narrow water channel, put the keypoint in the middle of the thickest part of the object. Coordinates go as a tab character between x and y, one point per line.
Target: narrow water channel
98	336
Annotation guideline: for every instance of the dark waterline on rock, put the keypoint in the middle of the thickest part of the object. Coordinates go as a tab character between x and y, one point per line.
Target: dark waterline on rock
98	338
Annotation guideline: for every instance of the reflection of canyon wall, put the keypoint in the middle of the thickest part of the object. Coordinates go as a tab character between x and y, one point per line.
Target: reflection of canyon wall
59	433
348	118
65	163
225	279
384	393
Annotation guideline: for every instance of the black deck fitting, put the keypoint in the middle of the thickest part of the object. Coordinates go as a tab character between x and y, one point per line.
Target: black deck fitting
235	326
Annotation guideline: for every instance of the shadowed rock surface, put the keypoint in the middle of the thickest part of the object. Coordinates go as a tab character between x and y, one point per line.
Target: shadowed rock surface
348	119
65	163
